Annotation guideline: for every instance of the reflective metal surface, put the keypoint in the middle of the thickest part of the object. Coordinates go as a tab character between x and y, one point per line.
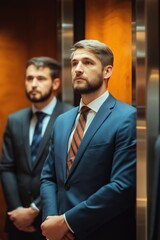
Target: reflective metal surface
65	40
140	69
141	181
152	68
147	102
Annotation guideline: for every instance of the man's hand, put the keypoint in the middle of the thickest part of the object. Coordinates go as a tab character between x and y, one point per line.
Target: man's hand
55	228
23	218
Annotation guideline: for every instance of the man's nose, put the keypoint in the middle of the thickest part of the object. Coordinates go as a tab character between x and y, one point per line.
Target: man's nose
34	82
79	67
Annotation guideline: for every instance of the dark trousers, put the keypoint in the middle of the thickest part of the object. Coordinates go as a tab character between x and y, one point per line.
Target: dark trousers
15	234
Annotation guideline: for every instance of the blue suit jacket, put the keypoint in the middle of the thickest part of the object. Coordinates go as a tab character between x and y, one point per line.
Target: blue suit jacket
98	195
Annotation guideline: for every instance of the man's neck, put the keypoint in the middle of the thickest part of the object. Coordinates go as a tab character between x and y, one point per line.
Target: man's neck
87	98
41	105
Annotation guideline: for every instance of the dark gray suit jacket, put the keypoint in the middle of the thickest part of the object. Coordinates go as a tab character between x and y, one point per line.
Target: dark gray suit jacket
20	178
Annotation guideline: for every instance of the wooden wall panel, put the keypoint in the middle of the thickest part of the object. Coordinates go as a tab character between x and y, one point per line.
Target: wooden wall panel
27	29
110	21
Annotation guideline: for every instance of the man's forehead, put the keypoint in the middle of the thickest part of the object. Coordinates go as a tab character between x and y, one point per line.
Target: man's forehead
38	68
82	54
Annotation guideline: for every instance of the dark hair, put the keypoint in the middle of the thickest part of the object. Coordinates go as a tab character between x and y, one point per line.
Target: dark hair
101	50
51	63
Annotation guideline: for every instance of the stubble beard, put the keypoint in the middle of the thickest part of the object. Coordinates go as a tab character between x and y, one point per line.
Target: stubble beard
87	87
40	99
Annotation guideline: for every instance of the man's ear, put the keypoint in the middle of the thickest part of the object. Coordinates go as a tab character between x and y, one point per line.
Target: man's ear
56	84
108	71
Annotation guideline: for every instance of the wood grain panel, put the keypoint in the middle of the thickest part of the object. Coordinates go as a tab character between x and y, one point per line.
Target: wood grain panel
110	22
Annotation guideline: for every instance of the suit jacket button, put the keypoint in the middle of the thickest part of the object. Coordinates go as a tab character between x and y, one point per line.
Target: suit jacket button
67	187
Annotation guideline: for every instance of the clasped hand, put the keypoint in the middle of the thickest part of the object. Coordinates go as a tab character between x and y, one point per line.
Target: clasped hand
23	218
55	228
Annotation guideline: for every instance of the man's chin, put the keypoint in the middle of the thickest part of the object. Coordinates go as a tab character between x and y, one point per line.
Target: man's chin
39	98
35	99
81	90
79	87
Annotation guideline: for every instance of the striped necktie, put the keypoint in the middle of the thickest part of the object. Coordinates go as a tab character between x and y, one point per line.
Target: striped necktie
37	134
77	136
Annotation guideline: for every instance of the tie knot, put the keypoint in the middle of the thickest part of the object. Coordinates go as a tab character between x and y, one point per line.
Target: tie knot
85	110
40	115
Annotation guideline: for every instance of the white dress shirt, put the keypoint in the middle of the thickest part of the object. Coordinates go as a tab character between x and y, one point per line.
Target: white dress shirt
94	106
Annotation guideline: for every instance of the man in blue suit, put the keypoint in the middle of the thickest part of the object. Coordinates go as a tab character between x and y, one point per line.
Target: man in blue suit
95	200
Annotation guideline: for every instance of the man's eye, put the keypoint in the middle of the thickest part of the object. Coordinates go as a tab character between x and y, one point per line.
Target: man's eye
40	78
88	63
29	78
73	64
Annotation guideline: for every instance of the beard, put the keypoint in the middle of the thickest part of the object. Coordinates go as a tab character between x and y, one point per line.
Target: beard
88	87
42	98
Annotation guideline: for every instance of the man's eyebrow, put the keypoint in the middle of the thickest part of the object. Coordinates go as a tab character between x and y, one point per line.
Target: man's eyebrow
29	75
83	58
37	76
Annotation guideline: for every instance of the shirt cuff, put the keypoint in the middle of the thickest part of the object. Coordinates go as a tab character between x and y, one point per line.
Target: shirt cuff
67	224
33	205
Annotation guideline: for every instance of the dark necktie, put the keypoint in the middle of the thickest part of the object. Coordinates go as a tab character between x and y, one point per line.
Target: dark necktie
77	136
37	134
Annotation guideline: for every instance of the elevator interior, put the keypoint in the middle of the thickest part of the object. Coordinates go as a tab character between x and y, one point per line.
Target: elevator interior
72	16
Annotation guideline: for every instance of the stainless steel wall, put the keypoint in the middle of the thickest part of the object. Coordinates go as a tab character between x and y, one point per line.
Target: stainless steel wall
152	116
65	41
139	63
147	102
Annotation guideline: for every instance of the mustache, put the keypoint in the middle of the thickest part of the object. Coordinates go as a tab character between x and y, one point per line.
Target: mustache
79	78
33	91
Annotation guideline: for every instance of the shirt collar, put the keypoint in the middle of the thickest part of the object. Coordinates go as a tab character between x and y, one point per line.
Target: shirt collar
97	103
48	109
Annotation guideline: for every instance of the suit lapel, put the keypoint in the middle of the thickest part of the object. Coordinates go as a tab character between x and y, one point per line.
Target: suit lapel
103	113
56	112
25	137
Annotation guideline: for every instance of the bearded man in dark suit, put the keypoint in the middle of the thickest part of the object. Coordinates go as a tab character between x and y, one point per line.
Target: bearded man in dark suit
20	174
